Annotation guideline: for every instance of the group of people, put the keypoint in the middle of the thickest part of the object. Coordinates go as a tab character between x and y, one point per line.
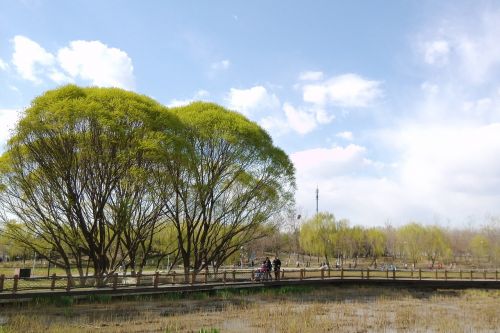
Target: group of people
264	272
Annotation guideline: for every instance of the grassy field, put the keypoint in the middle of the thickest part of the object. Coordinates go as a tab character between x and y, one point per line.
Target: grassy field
290	309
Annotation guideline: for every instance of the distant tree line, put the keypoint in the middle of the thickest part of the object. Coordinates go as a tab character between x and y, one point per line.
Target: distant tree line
335	241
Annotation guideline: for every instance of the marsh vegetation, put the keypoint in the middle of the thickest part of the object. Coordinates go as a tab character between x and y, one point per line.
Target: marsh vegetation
289	309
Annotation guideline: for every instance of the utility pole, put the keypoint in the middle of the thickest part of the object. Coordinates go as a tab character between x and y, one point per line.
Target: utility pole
317	198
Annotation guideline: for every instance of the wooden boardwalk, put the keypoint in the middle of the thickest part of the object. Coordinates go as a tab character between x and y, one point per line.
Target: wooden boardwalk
16	289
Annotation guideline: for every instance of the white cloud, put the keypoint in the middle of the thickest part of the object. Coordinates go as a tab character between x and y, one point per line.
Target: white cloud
59	77
89	61
275	125
343	189
300	121
466	46
440	172
255	99
221	65
436	52
453	159
98	63
347	90
311	76
429	88
200	94
8	119
346	135
179	102
3	65
30	59
328	162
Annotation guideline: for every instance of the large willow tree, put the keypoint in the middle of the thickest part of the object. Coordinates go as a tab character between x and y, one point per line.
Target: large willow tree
99	176
222	184
75	177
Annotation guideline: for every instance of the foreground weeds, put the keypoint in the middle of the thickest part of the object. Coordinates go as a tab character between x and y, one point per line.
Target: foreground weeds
291	309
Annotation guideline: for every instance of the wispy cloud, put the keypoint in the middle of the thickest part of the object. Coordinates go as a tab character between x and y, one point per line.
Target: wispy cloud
3	65
311	76
252	100
346	90
199	95
346	135
220	65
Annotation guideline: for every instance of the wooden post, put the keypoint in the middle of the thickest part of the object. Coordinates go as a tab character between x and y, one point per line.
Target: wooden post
2	279
206	277
253	275
386	273
412	273
224	277
342	273
496	277
138	280
471	275
115	280
156	279
16	280
173	277
234	275
329	271
436	274
460	274
445	274
362	277
322	274
484	274
301	274
282	274
53	282
193	277
368	273
420	273
304	273
68	284
393	274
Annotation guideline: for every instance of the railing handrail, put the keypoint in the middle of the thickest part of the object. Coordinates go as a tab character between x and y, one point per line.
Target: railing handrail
156	279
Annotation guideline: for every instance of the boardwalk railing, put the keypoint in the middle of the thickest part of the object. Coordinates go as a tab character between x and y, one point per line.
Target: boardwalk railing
16	284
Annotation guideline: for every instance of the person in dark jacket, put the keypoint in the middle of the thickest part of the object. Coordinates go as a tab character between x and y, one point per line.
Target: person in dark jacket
277	267
269	267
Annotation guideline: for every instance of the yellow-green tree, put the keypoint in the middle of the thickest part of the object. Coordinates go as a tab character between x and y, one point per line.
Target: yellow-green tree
376	243
317	235
480	247
436	244
412	239
75	176
223	182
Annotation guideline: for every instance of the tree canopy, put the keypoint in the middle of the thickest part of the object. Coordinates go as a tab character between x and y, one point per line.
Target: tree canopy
96	174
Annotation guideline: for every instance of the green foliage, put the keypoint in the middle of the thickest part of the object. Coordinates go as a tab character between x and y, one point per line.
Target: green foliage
317	235
75	175
62	301
111	178
412	240
480	246
209	330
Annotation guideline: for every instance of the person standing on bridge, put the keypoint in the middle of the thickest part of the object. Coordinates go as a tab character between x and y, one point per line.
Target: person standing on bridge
277	267
269	268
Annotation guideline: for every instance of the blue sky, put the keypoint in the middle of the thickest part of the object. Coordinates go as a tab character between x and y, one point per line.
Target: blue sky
392	108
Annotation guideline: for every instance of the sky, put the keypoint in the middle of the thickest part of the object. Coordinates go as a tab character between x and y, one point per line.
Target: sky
390	108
